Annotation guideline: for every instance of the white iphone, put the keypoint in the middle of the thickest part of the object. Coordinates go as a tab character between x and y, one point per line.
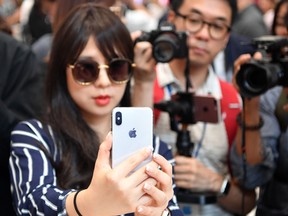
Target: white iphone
132	130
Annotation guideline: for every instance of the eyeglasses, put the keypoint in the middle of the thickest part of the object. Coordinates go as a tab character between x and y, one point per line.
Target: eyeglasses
194	24
86	72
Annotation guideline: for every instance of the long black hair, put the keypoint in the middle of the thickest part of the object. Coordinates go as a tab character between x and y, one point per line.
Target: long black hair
78	143
276	12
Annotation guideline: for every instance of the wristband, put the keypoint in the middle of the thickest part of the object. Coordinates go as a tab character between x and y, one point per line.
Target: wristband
75	204
249	127
225	187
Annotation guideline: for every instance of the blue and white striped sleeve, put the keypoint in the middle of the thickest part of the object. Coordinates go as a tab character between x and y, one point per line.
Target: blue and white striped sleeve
33	178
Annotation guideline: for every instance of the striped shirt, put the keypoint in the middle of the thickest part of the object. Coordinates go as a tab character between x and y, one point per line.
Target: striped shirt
33	177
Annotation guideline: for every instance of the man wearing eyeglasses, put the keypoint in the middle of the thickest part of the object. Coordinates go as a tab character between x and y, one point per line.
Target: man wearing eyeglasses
208	25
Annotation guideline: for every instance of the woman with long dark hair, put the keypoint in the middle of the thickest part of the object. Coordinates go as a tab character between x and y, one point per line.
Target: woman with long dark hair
62	164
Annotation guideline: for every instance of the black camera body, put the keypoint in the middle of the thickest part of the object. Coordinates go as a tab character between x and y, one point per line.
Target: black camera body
187	108
257	76
166	42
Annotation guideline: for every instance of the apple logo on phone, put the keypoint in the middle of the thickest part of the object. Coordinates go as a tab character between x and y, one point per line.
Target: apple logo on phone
132	133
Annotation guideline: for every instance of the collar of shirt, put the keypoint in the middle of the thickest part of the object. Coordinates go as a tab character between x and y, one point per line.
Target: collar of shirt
211	86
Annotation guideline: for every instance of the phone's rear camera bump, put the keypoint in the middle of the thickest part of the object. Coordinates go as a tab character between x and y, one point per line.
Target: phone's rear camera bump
118	118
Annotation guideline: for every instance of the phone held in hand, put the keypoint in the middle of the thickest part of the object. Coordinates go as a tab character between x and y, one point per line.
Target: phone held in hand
132	130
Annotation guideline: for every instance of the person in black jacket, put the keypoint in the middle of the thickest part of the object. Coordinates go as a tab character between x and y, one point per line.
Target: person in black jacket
21	83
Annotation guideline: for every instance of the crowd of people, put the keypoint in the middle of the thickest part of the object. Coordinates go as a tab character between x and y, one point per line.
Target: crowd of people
72	62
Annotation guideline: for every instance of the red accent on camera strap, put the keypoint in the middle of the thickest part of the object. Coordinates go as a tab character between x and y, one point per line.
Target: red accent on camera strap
230	98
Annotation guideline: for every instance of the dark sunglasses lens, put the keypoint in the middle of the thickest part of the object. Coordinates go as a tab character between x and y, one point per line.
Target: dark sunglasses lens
120	70
85	72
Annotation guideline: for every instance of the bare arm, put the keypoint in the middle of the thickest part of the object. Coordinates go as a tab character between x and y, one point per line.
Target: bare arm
233	201
251	108
143	93
144	74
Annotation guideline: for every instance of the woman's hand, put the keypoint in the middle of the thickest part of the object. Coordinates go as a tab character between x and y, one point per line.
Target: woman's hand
115	191
160	193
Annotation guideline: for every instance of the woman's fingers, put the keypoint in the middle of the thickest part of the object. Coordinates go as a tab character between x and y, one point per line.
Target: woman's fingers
159	201
103	158
139	176
163	163
128	166
162	173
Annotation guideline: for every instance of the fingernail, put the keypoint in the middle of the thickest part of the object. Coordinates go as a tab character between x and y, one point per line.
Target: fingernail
155	155
140	209
108	135
148	168
147	186
148	150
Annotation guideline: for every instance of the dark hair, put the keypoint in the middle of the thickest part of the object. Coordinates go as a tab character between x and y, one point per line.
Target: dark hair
77	141
176	4
276	14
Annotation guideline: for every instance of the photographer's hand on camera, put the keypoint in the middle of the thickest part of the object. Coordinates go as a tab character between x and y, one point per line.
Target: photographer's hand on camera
147	190
144	73
145	63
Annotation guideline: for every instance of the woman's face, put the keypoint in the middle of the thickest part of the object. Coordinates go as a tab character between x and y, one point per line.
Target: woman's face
280	27
100	97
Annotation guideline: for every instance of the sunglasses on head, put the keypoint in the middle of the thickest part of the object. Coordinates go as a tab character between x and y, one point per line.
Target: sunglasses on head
86	72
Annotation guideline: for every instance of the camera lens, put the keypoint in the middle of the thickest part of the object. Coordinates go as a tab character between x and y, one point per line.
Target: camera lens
253	81
255	78
118	118
163	52
164	47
